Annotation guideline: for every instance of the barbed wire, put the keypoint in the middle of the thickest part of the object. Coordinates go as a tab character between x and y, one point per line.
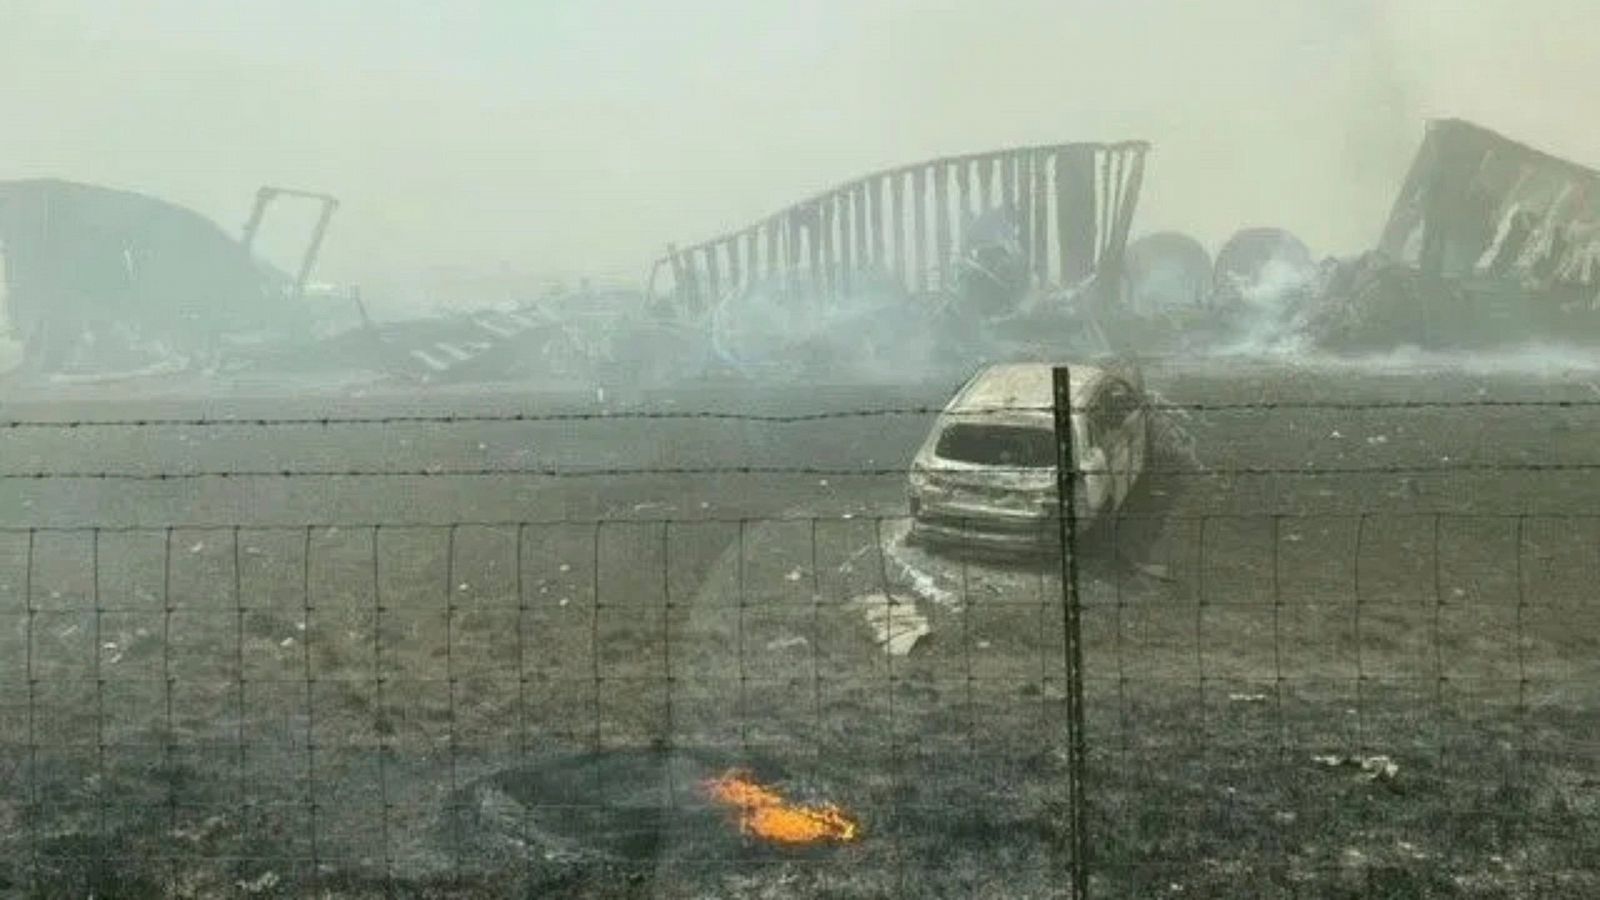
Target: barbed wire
330	421
860	518
555	472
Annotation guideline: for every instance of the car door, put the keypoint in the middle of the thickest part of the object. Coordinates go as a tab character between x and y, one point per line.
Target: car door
1098	458
1119	435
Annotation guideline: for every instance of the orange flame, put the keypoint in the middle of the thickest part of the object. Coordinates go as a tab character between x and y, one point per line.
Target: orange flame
764	813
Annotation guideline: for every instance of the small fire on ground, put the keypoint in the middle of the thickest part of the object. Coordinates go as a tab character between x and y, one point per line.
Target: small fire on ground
764	813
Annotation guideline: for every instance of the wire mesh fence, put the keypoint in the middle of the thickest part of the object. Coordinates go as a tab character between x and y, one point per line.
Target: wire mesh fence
1390	701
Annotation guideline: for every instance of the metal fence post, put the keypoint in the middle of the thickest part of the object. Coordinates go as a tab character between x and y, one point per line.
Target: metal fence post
1066	468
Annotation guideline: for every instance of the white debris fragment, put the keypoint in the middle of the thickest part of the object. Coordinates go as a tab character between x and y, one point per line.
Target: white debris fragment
463	587
265	882
1373	768
564	601
1247	698
1379	767
1335	435
794	574
1154	570
896	625
286	642
784	643
1377	439
198	546
563	568
983	645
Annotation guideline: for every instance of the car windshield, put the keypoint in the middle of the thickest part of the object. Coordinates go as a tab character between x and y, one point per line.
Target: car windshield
998	445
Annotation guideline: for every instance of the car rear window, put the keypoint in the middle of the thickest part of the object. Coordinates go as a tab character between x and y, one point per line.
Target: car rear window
998	445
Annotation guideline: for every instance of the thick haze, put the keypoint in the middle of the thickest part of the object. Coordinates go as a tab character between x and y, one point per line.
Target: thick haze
579	137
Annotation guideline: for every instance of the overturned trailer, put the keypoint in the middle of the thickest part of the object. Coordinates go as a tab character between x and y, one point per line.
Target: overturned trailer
99	279
1489	241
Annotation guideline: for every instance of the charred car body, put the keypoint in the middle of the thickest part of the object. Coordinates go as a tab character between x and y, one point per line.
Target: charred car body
985	478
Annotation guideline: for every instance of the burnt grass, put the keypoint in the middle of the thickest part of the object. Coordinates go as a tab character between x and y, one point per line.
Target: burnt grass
443	727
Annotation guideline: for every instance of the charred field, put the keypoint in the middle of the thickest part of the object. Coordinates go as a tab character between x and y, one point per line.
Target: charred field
1373	680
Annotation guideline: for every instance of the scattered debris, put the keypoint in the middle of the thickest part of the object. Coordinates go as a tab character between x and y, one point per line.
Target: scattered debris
1154	570
202	830
785	643
266	881
1247	698
1373	768
896	625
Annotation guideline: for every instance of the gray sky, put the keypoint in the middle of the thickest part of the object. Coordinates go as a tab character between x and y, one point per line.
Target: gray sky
567	137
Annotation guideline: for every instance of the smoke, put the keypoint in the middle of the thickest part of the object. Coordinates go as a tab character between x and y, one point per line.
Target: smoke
1533	359
570	139
873	334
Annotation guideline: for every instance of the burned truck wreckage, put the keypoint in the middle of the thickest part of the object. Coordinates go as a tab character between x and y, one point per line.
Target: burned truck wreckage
1489	242
105	284
924	269
1012	253
98	279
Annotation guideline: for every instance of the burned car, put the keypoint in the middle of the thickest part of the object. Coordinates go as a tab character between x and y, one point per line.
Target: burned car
985	478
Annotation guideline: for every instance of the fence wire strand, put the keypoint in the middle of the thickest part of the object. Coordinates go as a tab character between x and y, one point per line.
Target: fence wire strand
566	692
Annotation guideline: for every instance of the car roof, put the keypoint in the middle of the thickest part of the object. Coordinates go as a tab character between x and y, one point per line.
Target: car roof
1023	388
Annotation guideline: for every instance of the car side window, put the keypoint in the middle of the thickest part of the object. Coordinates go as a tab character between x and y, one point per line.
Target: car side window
1102	417
1122	403
1110	409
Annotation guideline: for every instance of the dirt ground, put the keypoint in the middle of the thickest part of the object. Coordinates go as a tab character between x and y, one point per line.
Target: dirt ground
310	703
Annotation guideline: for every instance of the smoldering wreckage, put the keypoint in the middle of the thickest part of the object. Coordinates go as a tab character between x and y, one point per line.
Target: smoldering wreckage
928	268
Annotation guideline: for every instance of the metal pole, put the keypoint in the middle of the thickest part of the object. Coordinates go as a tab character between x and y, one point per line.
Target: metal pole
1066	492
309	261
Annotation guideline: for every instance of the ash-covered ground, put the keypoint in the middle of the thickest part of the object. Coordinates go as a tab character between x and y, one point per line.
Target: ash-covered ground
453	682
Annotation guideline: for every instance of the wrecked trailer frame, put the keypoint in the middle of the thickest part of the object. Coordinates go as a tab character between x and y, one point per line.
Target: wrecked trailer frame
1074	205
967	251
101	277
1489	241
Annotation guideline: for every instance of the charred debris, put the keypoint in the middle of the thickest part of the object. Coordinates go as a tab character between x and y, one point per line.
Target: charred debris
928	268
